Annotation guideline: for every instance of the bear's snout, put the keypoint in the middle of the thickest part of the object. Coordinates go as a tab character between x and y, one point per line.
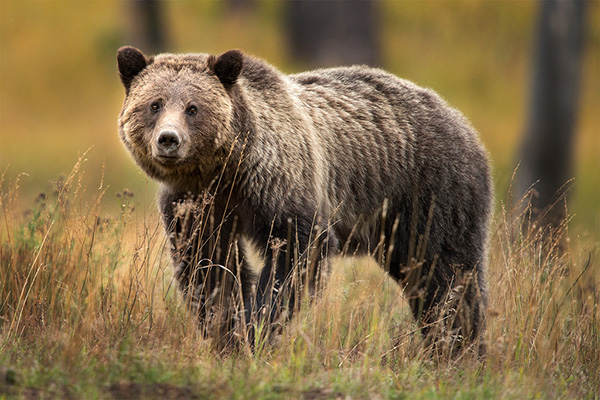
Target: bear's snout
167	143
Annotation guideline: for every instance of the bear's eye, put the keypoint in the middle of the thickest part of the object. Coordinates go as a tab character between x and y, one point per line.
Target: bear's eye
192	110
155	106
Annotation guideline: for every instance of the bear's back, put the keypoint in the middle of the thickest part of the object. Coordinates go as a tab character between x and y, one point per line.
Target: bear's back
384	135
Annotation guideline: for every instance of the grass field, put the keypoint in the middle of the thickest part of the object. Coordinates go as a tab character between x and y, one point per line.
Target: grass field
88	308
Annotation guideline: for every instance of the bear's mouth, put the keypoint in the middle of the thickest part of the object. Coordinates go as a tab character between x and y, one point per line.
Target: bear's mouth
167	161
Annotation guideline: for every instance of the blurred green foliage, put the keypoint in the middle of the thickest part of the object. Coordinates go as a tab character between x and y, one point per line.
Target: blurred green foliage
60	94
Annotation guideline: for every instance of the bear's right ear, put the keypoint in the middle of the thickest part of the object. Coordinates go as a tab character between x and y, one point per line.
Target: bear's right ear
131	62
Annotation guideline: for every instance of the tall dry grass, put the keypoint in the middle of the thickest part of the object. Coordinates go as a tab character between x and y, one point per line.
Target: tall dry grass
69	272
87	300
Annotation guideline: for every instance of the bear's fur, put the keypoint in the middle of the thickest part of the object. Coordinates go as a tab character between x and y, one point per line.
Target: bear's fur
303	166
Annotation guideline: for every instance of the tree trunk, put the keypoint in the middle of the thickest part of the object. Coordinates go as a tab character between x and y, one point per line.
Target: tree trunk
334	32
147	26
547	149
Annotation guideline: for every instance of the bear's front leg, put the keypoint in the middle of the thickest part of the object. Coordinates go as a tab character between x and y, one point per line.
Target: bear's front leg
210	266
295	253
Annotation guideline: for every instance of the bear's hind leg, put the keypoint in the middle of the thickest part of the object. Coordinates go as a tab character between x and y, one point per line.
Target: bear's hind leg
445	300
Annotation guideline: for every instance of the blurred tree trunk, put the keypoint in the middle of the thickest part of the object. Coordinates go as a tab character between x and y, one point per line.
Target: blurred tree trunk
333	32
242	6
547	149
147	30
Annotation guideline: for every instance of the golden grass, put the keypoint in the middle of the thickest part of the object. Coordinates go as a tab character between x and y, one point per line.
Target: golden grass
87	303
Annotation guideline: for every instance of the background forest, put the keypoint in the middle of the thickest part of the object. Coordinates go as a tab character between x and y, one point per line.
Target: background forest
60	93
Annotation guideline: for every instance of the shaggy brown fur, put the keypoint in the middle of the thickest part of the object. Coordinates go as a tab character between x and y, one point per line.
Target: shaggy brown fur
349	158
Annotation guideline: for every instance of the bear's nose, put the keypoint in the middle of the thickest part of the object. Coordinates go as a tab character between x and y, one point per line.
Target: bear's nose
168	141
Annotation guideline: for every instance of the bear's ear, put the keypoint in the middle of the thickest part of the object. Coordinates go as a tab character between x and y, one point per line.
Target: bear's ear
131	62
228	67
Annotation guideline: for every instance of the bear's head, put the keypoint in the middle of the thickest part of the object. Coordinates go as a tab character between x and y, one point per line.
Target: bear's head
177	113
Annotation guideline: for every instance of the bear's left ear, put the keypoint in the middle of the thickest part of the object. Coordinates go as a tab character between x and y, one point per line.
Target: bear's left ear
131	62
228	67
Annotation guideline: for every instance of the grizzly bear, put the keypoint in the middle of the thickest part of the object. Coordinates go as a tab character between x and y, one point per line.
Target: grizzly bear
349	160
